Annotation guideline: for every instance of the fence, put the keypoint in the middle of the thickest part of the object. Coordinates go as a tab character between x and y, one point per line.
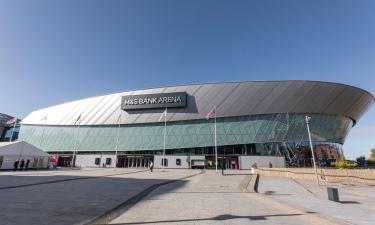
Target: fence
362	176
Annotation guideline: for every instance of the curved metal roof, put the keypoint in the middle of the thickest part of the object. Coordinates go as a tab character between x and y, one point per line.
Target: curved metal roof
231	99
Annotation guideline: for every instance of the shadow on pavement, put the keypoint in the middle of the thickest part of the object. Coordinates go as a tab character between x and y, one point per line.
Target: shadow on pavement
217	218
350	202
273	193
46	200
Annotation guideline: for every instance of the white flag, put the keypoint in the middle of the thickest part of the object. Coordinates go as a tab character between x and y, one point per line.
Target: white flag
164	114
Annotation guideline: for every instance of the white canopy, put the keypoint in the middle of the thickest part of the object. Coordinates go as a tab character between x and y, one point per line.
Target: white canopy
20	148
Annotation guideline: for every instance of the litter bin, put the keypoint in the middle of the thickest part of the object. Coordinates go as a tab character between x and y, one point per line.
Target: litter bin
333	194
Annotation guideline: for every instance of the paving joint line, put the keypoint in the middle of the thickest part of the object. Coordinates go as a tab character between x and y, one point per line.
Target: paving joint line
65	180
120	209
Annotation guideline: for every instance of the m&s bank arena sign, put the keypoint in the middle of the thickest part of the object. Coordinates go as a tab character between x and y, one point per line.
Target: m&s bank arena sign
154	101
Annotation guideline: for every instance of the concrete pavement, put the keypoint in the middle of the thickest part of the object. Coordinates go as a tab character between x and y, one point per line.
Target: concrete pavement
72	197
133	196
356	206
211	198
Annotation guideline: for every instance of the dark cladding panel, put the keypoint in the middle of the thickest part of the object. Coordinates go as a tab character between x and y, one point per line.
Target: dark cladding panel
361	106
216	97
273	101
304	101
247	103
316	100
238	99
280	104
343	101
257	98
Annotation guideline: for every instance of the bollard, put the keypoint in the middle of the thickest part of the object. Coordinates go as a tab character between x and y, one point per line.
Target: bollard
256	183
333	194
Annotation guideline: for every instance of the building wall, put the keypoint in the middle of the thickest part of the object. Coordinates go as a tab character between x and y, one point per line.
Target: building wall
185	161
88	160
188	134
262	161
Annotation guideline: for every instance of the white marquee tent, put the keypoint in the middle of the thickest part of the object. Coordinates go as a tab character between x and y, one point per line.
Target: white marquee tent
18	150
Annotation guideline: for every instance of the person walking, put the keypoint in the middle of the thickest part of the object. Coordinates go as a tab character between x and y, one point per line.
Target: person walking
22	164
27	164
15	165
222	167
151	166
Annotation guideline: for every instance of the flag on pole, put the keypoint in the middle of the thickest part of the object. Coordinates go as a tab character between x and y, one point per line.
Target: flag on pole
164	114
211	113
78	118
119	118
44	118
12	120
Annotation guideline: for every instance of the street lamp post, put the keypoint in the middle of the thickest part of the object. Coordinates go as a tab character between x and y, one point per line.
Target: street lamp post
308	121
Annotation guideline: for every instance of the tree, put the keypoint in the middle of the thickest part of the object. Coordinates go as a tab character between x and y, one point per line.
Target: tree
372	155
361	161
343	163
371	159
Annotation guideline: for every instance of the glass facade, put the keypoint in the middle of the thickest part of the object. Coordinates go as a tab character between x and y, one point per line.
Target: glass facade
7	133
271	134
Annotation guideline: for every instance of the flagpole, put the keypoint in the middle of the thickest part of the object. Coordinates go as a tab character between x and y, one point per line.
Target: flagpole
76	143
118	136
165	132
44	126
215	143
14	127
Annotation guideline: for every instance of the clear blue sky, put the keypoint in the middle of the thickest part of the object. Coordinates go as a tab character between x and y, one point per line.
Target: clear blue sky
56	51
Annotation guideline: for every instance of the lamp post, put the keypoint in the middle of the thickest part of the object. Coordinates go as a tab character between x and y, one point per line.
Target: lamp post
308	121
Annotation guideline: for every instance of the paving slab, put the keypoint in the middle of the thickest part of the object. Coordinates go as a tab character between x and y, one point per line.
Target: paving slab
356	206
211	198
73	201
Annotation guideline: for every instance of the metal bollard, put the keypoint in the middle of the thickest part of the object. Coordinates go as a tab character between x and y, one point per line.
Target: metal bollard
333	194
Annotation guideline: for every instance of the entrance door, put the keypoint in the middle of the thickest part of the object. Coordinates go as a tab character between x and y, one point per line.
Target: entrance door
137	161
64	161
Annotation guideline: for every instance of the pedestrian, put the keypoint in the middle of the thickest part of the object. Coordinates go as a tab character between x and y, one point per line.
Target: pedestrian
27	164
15	165
253	167
22	164
270	165
151	166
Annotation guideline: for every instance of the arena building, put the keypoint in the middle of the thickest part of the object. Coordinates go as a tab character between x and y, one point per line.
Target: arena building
259	122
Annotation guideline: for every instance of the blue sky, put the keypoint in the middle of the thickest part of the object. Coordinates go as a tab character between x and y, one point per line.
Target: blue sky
56	51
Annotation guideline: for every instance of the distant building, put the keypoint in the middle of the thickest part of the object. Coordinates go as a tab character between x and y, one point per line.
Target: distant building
259	122
6	128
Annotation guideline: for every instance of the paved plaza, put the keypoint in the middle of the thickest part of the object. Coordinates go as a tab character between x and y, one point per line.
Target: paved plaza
72	197
137	196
